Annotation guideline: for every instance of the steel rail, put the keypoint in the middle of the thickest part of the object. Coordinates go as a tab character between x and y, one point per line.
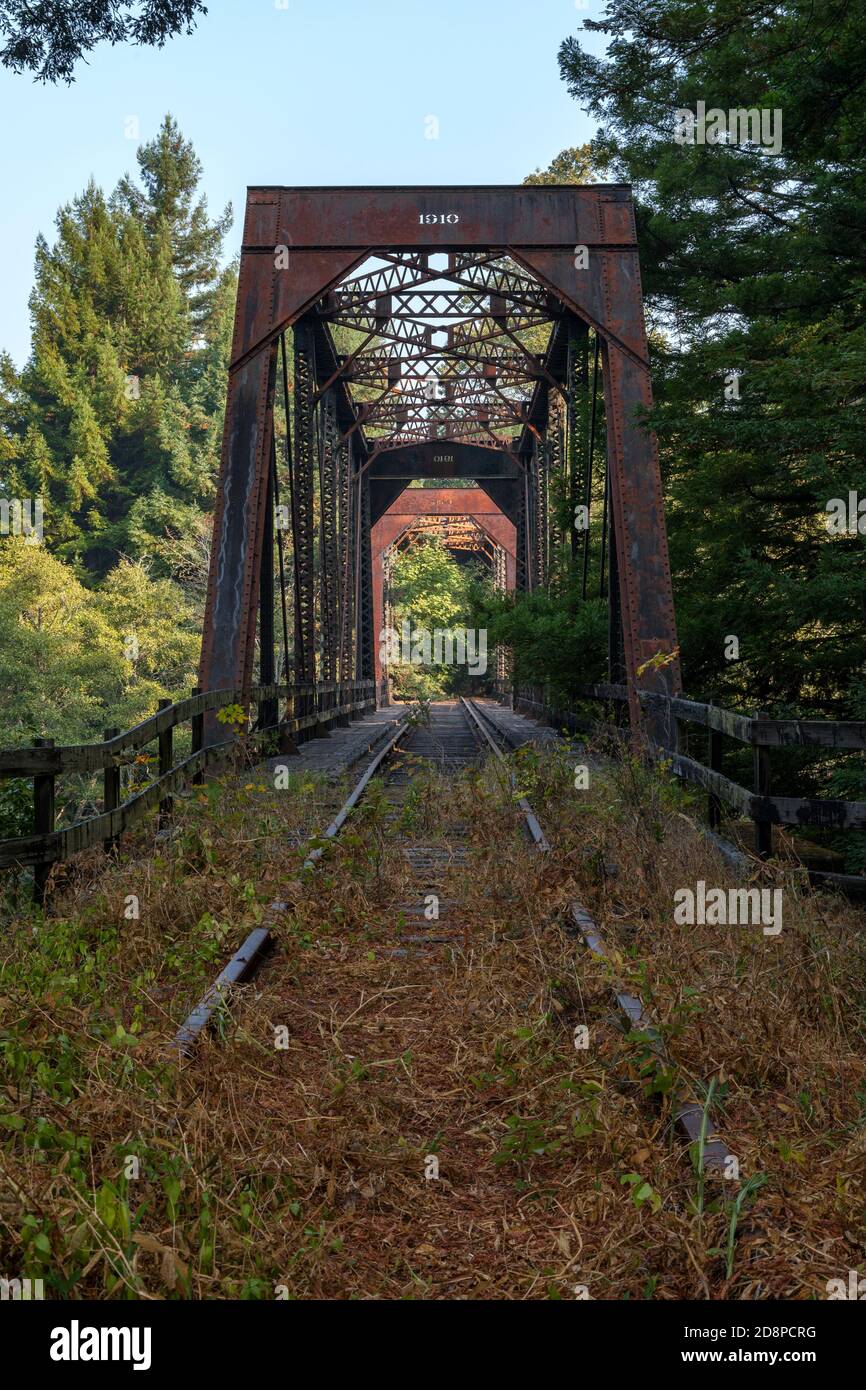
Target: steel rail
352	800
245	961
535	829
692	1117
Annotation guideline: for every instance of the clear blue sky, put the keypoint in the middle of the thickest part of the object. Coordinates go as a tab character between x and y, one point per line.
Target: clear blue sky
295	92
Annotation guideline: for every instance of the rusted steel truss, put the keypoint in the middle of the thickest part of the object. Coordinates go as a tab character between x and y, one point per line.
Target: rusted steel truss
504	323
461	533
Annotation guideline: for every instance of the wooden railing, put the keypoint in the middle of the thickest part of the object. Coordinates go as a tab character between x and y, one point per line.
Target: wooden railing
307	711
758	804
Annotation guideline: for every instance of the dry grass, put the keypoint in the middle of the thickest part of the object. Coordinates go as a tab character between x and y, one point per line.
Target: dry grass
300	1160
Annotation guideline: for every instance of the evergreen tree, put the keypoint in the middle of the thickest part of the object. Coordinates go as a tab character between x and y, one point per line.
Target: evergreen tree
116	418
48	39
170	172
752	258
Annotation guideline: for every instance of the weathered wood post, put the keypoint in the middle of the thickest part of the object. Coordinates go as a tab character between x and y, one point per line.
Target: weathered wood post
763	827
319	703
110	791
43	819
287	739
165	761
197	726
714	804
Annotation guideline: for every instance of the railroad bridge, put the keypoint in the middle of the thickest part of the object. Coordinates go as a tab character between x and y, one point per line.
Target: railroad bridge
488	341
385	336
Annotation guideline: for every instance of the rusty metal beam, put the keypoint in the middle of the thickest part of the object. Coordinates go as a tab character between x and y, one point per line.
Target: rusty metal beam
305	466
238	533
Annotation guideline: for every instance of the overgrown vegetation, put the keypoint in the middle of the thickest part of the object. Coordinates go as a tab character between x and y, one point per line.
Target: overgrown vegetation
289	1157
553	636
429	589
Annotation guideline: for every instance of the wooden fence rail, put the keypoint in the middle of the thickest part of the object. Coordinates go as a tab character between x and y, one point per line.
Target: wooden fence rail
759	732
308	710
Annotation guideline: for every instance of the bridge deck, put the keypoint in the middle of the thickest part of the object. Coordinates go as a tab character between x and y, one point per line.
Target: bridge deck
517	728
343	748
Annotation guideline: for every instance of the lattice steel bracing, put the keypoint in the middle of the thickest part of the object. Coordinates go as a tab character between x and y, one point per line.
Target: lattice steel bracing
347	556
539	511
556	471
578	412
461	533
305	467
329	455
365	635
525	570
500	582
456	320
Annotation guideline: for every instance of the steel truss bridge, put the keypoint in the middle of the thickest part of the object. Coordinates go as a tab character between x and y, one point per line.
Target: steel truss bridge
385	335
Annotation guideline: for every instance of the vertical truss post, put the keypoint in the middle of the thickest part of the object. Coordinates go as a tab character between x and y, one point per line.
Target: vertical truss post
303	505
268	709
279	512
500	583
347	552
328	509
592	398
233	585
524	526
557	486
293	677
638	532
540	507
366	637
577	426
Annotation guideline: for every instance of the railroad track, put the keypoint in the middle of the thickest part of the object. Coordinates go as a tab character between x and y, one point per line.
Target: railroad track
451	741
429	916
446	745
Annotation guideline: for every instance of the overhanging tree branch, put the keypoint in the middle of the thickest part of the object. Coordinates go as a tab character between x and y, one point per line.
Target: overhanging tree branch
48	37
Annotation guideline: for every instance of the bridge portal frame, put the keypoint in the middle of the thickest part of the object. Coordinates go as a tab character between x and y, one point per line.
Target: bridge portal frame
580	242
